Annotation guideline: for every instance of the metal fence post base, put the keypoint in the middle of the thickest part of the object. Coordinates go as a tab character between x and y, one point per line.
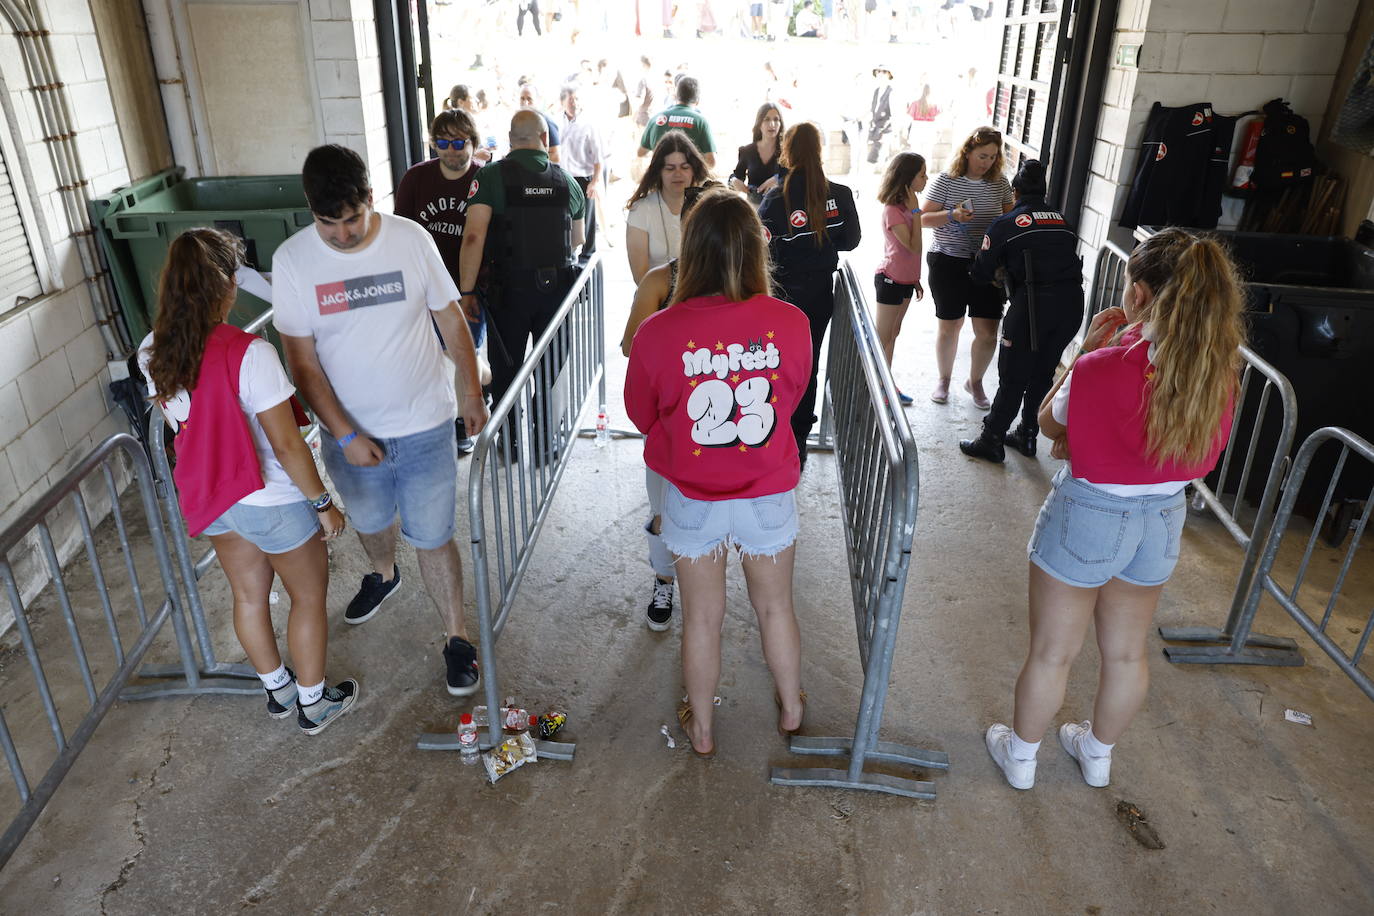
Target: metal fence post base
1252	654
448	741
839	779
219	669
887	751
177	687
1213	634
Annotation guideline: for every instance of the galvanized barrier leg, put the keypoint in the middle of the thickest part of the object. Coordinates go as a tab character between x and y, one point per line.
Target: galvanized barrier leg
877	469
1241	645
540	410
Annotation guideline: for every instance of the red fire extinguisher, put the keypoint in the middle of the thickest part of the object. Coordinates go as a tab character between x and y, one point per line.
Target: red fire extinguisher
1242	179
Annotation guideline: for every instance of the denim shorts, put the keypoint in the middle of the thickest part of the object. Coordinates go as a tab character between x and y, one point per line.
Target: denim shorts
417	478
1086	537
761	526
272	529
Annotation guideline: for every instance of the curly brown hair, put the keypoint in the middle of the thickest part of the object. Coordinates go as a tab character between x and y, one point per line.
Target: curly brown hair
196	283
980	137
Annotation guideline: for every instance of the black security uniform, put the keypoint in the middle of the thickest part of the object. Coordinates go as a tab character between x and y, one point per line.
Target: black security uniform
1034	252
529	251
804	268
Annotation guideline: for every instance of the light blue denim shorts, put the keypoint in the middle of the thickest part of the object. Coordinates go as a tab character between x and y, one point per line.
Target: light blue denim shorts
273	529
1086	537
417	479
761	526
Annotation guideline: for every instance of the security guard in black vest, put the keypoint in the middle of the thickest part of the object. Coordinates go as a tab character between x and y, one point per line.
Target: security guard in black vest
1033	252
524	219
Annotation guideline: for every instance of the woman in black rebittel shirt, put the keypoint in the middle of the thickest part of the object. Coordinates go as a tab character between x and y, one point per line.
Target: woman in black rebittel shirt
756	172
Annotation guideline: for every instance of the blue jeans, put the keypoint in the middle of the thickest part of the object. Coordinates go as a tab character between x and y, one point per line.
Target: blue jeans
417	478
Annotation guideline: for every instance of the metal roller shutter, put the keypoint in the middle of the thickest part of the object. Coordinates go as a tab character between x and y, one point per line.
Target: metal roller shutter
18	278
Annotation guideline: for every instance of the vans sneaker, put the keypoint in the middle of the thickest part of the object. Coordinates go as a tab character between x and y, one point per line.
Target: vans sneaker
460	658
660	612
1020	773
281	700
335	701
1097	771
371	594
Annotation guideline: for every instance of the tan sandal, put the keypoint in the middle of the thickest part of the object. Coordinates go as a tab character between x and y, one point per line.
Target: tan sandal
684	718
789	732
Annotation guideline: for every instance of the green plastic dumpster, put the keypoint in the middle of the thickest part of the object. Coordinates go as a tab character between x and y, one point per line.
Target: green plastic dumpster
137	224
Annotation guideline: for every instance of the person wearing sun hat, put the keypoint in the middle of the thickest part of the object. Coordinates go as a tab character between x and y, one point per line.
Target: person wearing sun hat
879	112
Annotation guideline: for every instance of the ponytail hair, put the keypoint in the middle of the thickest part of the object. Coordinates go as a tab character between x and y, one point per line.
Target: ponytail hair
196	282
1197	326
801	156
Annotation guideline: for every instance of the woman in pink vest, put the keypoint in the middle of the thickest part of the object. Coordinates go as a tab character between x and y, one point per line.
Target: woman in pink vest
1143	409
713	381
244	475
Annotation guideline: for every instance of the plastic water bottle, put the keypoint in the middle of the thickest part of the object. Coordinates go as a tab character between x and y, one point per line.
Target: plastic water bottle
603	432
516	718
467	739
482	720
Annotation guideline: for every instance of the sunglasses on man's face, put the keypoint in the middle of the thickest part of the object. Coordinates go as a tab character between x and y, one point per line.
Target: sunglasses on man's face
444	143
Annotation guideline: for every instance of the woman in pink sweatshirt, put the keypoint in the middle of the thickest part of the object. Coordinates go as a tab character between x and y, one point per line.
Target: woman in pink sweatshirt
712	383
1144	408
244	475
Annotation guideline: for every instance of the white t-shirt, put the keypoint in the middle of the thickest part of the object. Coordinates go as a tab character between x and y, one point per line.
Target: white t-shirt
664	226
369	314
262	384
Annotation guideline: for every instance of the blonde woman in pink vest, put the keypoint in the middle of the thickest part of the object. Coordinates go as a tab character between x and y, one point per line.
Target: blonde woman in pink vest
244	475
1144	409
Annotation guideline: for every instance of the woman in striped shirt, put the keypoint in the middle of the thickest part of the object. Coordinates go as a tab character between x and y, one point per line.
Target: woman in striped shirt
960	204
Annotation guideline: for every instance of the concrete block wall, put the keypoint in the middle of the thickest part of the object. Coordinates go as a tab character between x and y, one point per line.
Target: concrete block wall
1236	54
54	405
348	69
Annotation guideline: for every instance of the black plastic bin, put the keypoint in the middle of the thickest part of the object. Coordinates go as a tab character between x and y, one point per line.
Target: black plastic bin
1311	315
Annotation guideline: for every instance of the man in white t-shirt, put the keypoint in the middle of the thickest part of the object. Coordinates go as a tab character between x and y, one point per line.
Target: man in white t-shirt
353	296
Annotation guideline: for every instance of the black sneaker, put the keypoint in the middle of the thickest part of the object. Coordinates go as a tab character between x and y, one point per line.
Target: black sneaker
465	442
335	701
370	596
1022	439
660	612
281	701
460	658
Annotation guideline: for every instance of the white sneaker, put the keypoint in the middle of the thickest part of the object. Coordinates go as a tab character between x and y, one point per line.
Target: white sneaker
1097	771
1020	773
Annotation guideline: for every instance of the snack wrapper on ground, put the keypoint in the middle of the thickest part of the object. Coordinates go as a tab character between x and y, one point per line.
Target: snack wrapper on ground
511	754
550	723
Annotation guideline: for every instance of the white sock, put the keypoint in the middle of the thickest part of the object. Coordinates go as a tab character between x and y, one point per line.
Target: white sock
275	680
308	695
1093	747
1023	750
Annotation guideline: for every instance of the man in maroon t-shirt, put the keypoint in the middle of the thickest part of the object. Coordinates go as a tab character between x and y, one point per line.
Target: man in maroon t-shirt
435	195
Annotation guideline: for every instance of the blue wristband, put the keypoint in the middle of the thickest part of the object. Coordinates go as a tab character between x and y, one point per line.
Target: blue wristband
347	439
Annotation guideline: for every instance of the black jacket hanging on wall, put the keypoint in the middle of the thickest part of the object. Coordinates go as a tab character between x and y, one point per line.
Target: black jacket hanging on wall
1182	168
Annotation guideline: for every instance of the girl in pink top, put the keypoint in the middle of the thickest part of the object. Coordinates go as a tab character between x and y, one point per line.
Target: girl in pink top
1144	408
713	381
898	279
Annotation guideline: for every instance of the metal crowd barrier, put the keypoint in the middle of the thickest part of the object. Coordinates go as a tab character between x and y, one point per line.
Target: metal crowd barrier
1109	279
1245	653
515	469
876	461
1253	538
192	571
34	798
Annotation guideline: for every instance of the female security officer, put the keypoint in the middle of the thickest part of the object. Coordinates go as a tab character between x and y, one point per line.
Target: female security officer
1033	252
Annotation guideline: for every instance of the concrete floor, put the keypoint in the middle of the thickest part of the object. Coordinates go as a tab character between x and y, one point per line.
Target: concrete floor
206	805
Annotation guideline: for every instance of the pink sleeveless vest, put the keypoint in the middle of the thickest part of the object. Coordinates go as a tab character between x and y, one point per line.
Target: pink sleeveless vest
1107	409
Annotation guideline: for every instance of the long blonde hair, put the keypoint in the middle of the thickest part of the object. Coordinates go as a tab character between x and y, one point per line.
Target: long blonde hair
723	250
1196	318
